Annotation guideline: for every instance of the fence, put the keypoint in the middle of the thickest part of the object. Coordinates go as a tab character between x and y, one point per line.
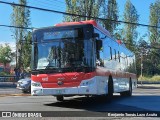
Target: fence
8	79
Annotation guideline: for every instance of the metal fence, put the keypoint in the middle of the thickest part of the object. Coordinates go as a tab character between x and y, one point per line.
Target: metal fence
8	79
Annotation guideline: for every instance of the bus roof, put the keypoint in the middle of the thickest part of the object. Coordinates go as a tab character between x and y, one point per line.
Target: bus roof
92	22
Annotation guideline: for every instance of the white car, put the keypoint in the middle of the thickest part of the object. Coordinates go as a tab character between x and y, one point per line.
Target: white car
24	84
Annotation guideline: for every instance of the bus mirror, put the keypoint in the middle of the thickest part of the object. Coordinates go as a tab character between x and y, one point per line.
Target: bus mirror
95	35
98	44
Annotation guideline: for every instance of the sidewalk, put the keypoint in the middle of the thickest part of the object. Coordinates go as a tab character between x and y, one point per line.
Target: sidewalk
148	86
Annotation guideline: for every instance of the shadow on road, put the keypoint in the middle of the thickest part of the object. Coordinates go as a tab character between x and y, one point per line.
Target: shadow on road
95	104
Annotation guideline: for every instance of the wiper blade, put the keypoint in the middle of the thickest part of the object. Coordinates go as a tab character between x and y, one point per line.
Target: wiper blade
47	71
50	67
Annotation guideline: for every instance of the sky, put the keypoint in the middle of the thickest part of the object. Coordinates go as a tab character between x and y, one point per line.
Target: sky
44	19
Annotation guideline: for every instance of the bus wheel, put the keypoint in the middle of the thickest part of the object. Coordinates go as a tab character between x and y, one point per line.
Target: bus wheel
59	98
110	89
129	92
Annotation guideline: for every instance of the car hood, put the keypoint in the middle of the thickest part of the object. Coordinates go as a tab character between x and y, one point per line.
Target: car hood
25	79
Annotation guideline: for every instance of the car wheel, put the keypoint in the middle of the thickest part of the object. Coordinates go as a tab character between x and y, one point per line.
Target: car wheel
29	90
24	91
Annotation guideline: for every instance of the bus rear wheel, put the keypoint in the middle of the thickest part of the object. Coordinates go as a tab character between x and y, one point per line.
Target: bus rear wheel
59	98
110	90
129	92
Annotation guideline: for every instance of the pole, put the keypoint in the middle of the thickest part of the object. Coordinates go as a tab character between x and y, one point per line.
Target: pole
141	66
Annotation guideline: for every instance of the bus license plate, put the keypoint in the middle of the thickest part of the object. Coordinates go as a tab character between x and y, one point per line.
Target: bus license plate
60	91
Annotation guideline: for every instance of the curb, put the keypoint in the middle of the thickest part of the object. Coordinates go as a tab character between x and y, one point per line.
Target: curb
4	95
148	82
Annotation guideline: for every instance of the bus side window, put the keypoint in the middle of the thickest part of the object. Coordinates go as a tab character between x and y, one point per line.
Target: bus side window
115	54
119	56
127	60
110	53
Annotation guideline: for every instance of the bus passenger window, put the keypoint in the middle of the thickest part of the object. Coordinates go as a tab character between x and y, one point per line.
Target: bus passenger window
100	53
111	53
115	54
119	56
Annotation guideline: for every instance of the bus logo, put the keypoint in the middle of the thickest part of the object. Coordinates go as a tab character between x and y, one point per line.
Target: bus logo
60	83
45	79
60	78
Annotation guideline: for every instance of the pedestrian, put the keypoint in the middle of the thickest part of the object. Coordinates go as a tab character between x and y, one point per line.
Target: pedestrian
22	73
17	73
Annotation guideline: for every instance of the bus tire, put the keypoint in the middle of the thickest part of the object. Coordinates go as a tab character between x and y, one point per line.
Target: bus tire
110	89
59	98
129	92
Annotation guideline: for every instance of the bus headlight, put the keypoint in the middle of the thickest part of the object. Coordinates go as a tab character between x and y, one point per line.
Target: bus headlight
36	84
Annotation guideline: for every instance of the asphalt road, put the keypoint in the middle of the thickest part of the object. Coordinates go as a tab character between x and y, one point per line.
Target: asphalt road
145	98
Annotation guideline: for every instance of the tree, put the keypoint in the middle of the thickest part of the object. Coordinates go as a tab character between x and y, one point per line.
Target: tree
110	12
155	21
5	54
155	35
26	51
93	8
83	7
143	57
129	31
20	17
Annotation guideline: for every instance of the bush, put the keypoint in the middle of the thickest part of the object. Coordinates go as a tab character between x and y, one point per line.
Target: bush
155	78
4	73
148	78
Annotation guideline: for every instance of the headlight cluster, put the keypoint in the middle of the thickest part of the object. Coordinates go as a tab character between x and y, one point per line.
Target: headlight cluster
25	82
36	84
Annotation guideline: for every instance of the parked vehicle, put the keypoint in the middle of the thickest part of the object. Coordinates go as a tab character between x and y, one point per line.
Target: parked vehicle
25	84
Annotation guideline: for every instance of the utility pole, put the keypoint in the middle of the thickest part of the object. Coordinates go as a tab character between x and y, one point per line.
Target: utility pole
141	64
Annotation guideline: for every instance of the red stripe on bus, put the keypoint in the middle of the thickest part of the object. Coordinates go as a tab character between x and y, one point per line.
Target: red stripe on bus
69	79
92	22
55	85
100	71
75	78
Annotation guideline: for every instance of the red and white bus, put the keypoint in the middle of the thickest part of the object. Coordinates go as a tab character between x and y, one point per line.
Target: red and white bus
80	58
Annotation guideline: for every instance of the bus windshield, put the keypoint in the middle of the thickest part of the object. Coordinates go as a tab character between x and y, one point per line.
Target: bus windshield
63	53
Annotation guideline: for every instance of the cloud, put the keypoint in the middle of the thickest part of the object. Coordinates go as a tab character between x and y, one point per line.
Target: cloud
11	44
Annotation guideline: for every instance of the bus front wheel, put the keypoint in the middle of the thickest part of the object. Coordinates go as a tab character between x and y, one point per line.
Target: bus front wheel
59	98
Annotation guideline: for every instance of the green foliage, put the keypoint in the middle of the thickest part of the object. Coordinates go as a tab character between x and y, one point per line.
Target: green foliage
149	78
155	36
4	73
20	17
5	54
83	7
155	21
94	8
110	12
26	51
155	78
129	31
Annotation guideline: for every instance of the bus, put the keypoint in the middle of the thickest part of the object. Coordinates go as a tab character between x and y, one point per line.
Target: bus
80	58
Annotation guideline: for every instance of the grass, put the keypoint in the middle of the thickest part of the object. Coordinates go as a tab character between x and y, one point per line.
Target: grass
155	78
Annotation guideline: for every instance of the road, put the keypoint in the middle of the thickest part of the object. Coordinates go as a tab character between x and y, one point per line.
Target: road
145	98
